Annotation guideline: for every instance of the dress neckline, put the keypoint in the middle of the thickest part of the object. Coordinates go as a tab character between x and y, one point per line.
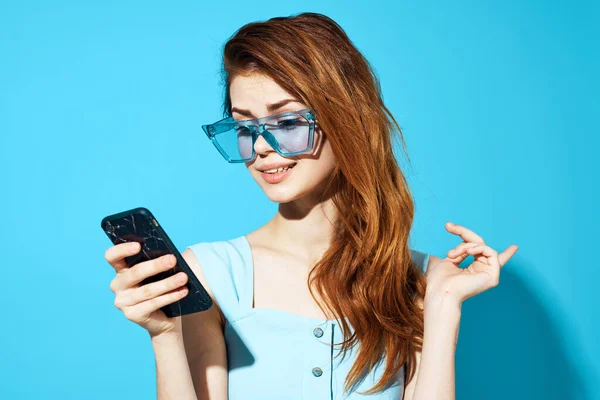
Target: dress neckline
247	254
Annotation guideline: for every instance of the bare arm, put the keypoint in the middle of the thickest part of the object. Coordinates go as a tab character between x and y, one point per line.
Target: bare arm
191	363
435	372
436	376
195	337
205	344
173	379
448	285
141	304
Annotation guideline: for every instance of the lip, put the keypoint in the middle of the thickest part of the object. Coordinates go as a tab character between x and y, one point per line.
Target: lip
276	177
264	168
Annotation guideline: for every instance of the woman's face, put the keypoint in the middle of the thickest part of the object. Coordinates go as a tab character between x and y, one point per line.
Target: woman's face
251	97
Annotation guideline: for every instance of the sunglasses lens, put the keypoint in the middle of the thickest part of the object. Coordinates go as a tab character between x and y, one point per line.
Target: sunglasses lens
236	142
291	133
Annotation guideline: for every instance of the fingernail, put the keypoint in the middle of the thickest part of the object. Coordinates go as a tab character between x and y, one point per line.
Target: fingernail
167	259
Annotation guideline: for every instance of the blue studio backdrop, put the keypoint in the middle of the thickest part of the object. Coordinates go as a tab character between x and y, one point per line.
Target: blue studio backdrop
100	111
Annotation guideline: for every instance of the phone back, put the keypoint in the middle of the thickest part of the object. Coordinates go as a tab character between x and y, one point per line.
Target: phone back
139	225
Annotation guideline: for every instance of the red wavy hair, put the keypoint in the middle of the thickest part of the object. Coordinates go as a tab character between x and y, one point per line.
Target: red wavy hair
367	274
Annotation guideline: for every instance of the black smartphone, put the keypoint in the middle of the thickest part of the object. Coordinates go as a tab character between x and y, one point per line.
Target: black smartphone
139	225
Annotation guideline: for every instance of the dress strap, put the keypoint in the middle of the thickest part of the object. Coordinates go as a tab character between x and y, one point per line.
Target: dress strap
246	274
420	258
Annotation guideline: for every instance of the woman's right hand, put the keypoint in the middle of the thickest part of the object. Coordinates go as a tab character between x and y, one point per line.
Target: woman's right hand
141	304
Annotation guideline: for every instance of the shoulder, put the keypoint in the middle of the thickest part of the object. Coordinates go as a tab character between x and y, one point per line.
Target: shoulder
220	268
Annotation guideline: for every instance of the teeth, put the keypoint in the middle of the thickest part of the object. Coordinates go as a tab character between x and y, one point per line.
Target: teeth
276	170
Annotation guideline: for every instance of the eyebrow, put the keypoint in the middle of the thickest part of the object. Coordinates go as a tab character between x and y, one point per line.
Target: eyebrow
270	108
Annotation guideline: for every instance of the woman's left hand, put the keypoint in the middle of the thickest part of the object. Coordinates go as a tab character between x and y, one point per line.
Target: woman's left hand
446	278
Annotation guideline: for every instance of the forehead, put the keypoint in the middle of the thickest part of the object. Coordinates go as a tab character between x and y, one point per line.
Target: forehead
255	91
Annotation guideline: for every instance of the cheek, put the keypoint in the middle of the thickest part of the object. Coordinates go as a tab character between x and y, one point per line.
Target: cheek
315	172
326	162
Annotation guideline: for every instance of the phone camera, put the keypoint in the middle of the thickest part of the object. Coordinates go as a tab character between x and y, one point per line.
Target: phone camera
110	228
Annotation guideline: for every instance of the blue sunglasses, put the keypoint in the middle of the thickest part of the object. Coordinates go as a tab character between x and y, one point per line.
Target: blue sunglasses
288	133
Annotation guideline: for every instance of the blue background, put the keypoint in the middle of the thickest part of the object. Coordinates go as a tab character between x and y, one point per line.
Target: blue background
100	111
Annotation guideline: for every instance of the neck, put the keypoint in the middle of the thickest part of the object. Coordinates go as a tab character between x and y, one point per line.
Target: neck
304	226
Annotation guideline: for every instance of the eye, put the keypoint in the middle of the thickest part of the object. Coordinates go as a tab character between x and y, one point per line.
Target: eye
243	130
289	123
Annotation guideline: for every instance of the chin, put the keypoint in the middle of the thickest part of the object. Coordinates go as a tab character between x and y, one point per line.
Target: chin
283	198
301	184
280	193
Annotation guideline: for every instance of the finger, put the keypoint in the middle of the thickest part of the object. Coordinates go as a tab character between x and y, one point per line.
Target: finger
151	290
458	254
115	254
507	254
458	259
490	254
460	249
144	309
466	234
149	268
130	277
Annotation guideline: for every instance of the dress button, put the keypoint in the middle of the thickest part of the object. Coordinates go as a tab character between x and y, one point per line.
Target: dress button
318	332
317	371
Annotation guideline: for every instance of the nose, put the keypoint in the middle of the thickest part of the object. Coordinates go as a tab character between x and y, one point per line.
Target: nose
261	146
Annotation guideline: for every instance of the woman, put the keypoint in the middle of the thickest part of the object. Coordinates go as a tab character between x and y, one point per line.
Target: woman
325	300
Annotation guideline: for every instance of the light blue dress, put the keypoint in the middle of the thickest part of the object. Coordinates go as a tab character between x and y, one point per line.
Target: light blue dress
275	354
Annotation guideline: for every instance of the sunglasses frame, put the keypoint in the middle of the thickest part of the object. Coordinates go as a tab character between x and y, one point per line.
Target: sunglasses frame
258	127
